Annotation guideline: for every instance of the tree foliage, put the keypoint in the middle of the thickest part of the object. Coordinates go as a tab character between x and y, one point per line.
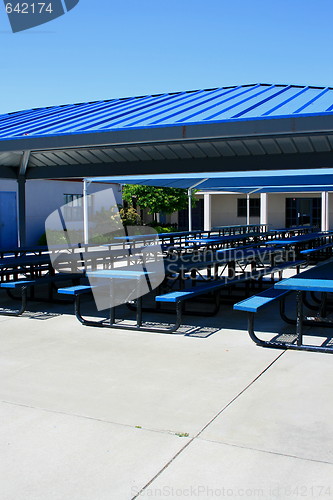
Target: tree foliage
157	199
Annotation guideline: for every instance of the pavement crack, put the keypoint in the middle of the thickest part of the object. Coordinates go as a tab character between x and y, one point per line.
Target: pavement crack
205	426
87	417
270	452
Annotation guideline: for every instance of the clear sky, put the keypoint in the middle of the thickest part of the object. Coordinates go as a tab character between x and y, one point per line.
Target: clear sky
117	48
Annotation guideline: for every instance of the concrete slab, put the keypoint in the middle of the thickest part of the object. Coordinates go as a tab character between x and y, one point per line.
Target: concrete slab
212	470
288	410
163	382
49	456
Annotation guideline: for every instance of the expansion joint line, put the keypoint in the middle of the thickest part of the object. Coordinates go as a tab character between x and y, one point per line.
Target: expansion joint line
207	425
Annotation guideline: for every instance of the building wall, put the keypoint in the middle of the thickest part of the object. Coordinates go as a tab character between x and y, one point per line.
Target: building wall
224	210
277	206
45	196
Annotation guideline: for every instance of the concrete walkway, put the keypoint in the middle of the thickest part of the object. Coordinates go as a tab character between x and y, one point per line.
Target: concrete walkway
97	414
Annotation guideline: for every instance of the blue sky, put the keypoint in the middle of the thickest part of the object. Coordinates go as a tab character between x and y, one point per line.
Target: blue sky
106	48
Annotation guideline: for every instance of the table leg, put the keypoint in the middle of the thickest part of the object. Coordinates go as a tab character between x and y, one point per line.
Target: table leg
231	269
112	308
299	322
139	311
323	305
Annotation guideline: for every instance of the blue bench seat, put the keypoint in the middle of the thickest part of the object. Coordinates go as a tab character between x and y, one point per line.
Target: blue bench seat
24	284
212	286
256	302
75	290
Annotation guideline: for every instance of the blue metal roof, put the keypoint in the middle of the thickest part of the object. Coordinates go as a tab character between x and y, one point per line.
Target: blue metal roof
225	104
264	181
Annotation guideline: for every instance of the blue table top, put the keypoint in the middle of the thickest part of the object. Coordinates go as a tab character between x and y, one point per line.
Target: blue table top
139	237
298	239
117	273
317	279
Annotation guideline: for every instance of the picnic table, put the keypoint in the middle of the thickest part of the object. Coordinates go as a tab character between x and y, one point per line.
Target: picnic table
318	279
294	231
182	238
303	241
31	265
183	270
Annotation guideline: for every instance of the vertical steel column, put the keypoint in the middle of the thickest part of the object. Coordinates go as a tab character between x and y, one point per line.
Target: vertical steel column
21	180
22	228
85	212
189	194
248	209
263	208
207	212
324	211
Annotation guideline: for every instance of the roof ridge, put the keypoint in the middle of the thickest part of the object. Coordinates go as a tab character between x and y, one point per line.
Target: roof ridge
166	93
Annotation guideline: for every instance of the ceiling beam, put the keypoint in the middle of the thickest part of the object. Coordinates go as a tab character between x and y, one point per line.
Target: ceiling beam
221	164
7	172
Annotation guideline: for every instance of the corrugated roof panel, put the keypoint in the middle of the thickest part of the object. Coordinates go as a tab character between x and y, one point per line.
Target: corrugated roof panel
303	144
210	101
153	153
209	150
167	152
101	155
330	140
283	103
270	146
139	153
155	113
321	104
214	109
65	158
124	117
126	153
286	145
53	119
78	156
195	150
238	106
265	102
239	148
114	155
241	102
36	162
224	149
180	151
320	143
119	113
254	147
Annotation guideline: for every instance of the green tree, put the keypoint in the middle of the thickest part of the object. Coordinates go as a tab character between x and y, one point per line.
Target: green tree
157	199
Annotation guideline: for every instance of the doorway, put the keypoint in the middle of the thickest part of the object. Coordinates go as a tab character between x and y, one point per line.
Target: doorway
303	212
8	220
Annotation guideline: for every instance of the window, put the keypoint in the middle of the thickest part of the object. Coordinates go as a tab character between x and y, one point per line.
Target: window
254	207
73	210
